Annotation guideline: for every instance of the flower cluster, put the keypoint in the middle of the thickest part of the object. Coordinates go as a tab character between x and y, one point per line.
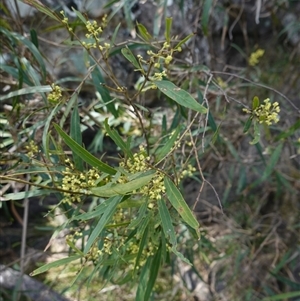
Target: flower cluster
266	112
165	55
32	149
155	188
56	94
255	56
94	31
188	172
140	162
77	183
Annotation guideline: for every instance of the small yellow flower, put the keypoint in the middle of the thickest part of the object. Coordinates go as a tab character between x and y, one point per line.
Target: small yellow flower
56	94
266	112
255	56
32	149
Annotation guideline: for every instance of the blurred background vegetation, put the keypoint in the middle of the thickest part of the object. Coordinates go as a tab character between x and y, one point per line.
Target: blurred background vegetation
249	247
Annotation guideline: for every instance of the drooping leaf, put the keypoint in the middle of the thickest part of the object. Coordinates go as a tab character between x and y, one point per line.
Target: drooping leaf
247	124
99	82
27	90
183	41
155	266
112	189
166	222
256	133
205	15
54	264
85	155
179	95
114	135
130	57
108	213
26	194
75	134
178	202
161	152
281	297
144	32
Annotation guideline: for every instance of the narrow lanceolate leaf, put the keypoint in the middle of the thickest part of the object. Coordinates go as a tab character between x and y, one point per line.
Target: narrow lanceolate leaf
168	29
166	222
114	135
75	134
161	152
178	202
99	84
84	154
247	124
27	90
256	133
179	95
130	57
273	161
153	273
113	189
26	194
54	264
183	41
255	102
205	15
144	32
111	208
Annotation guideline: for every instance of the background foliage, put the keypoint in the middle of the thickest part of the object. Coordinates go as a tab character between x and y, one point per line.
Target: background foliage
160	186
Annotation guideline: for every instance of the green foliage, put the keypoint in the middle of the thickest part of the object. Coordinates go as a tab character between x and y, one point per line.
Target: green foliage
126	213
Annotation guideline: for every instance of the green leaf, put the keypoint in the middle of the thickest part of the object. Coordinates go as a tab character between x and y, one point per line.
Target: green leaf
180	256
255	102
143	242
144	32
114	36
75	134
98	82
80	16
85	155
26	194
32	48
114	135
42	8
178	202
272	162
27	90
291	130
131	58
179	95
112	189
98	210
108	213
183	41
283	296
166	222
54	264
46	132
34	38
247	124
168	29
161	152
156	262
256	133
205	15
144	278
